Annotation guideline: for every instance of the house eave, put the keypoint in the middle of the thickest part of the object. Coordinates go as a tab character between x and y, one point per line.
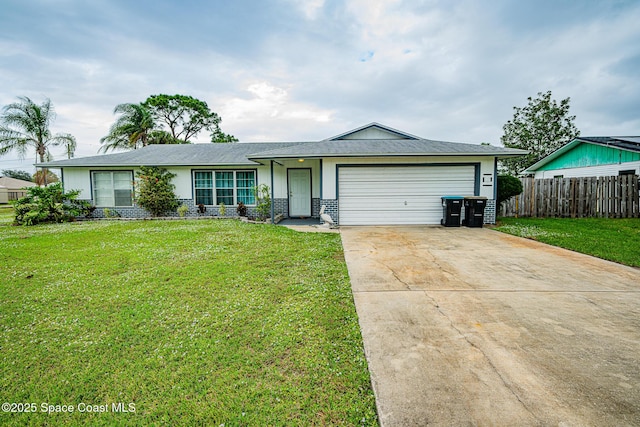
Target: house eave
137	165
369	155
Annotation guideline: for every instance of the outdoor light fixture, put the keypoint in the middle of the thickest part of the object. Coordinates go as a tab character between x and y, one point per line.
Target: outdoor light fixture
301	160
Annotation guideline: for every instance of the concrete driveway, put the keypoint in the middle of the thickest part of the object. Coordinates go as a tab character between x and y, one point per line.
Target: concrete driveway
474	327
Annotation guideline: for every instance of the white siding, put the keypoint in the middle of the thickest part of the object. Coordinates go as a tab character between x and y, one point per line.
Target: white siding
182	181
373	133
80	178
280	184
399	194
77	179
601	170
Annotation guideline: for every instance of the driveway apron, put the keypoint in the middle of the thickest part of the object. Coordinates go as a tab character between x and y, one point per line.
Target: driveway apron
469	326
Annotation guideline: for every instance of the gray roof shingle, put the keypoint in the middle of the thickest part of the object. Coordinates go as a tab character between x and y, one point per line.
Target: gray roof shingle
174	155
248	153
384	147
631	143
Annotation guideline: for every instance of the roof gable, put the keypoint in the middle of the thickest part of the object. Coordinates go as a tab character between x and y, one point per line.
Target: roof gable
590	151
372	140
13	183
373	131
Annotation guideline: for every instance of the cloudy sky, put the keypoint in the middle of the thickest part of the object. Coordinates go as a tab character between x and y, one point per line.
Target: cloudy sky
299	70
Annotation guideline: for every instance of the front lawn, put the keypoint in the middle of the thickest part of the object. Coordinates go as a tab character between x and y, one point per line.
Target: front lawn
6	213
189	322
612	239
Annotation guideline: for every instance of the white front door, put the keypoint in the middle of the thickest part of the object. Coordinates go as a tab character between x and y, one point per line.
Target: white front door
299	192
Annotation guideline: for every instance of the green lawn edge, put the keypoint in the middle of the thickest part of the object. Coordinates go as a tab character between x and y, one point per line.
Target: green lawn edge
612	239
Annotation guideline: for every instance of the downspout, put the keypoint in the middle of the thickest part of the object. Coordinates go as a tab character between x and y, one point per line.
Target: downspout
273	219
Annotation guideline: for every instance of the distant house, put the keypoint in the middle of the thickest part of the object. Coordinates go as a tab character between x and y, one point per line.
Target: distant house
13	189
370	175
591	156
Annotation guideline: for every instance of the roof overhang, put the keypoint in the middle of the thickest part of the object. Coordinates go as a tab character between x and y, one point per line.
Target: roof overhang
582	140
63	164
258	157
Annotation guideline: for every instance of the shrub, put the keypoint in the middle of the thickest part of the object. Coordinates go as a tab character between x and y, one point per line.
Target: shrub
154	191
111	213
49	204
182	210
263	201
241	209
222	209
508	186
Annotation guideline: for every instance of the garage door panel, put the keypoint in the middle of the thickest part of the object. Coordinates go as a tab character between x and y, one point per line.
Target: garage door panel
399	195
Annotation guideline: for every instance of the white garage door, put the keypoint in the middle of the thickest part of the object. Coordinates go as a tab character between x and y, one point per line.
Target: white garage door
399	194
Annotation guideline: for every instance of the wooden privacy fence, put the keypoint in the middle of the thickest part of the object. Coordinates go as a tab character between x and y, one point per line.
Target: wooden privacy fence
604	196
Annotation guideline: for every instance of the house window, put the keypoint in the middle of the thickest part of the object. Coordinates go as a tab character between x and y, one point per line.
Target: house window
627	172
112	188
227	186
245	181
203	183
224	188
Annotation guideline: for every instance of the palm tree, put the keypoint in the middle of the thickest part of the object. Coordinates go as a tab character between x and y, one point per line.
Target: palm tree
25	125
70	147
131	130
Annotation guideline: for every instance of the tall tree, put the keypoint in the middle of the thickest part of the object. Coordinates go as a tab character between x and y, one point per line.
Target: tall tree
186	117
25	125
131	130
70	147
23	175
221	137
163	137
44	176
541	127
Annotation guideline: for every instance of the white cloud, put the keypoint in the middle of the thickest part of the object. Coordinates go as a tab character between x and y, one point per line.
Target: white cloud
269	106
310	8
305	70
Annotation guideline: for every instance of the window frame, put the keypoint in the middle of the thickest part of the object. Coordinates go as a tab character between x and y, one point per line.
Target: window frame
214	189
94	188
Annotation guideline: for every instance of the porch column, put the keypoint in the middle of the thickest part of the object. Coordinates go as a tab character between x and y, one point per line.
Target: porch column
273	220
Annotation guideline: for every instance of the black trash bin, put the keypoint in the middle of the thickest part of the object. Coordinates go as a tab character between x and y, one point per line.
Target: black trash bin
451	208
474	211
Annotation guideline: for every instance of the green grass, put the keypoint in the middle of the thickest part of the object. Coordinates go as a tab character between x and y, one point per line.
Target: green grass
615	240
6	214
197	322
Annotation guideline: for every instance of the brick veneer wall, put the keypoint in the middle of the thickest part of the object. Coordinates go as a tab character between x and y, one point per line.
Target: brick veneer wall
138	212
490	212
281	206
331	208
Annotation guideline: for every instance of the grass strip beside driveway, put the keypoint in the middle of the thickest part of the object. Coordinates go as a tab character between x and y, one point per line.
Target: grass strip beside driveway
203	322
612	239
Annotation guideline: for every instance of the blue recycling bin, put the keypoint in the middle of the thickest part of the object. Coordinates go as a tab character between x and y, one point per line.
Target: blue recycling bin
451	209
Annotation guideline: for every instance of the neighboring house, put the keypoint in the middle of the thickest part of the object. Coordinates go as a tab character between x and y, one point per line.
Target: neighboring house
591	156
13	189
370	175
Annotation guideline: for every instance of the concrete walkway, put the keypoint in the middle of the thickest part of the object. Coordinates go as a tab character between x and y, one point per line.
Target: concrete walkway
474	327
